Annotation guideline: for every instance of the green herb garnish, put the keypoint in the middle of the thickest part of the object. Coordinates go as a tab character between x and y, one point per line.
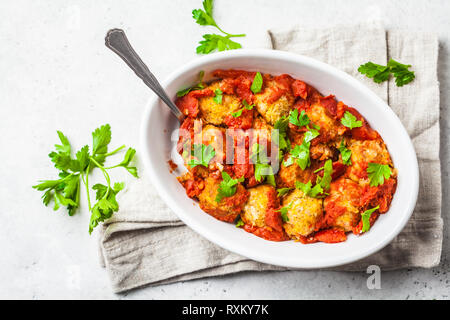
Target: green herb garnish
227	186
346	154
284	211
257	83
301	154
65	191
203	155
239	112
262	167
349	120
381	73
308	189
377	173
299	120
198	86
212	42
322	183
366	219
282	191
219	96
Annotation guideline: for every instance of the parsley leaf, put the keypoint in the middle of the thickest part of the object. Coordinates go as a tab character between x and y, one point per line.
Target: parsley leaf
240	223
262	167
219	96
346	154
213	42
83	158
279	135
325	180
239	112
101	138
322	183
301	154
299	120
198	86
264	170
401	73
282	191
366	219
377	173
204	18
61	158
308	189
284	211
381	73
257	83
310	134
64	148
246	105
378	72
289	161
106	205
227	186
203	155
125	163
349	120
65	191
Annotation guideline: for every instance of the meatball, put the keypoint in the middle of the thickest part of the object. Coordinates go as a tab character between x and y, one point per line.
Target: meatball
289	174
330	129
215	113
254	211
271	109
261	133
342	206
228	208
261	214
363	153
304	214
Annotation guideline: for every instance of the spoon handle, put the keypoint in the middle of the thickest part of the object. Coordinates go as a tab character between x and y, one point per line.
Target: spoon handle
117	41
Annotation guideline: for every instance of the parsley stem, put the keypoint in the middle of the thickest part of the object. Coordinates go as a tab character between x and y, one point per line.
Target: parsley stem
115	151
105	174
320	169
66	177
229	35
236	35
61	180
86	184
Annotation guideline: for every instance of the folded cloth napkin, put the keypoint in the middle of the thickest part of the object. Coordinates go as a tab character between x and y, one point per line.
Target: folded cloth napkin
145	243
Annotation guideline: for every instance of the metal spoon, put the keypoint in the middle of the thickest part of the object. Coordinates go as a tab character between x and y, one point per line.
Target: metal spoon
117	41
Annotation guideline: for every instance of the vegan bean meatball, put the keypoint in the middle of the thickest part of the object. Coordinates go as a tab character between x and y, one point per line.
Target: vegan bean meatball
304	214
271	104
342	206
288	175
261	214
228	208
215	113
254	212
363	153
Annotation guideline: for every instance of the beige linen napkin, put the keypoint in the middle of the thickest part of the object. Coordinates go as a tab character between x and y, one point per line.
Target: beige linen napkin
145	243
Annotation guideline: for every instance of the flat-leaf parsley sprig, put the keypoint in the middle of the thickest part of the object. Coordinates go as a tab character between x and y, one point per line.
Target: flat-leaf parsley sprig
381	73
65	191
212	42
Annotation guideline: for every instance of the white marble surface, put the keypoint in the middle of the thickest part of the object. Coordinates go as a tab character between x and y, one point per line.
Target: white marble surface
57	74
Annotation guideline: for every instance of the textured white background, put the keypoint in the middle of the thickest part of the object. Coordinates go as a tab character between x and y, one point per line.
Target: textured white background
56	73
